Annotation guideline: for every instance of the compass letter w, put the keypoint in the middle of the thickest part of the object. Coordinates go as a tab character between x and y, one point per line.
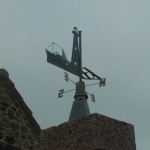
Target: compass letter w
61	92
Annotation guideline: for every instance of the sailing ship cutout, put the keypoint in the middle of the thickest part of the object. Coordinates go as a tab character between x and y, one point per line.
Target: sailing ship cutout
60	60
75	65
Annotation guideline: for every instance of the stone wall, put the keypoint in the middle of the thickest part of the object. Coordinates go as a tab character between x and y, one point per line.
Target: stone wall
17	126
4	146
93	132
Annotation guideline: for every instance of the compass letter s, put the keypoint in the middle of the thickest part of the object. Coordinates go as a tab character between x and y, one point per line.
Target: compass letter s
92	97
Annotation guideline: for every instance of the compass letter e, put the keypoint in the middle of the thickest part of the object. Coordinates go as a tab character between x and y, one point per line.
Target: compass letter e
66	76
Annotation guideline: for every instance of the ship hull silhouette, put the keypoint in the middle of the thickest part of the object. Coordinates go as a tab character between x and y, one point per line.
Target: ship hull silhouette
62	62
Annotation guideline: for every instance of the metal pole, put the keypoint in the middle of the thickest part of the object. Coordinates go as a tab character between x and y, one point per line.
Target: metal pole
80	57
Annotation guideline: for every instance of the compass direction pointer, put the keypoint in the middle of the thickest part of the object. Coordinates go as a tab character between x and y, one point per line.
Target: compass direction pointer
61	92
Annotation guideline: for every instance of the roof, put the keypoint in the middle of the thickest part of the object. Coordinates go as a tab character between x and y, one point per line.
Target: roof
94	131
6	83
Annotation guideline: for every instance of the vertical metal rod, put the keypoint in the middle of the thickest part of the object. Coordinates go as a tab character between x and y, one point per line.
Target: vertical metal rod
80	50
52	47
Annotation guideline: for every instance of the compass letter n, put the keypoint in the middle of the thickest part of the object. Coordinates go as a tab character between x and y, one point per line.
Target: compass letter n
102	82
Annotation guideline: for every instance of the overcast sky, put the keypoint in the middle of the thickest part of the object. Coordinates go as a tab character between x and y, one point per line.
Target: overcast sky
115	44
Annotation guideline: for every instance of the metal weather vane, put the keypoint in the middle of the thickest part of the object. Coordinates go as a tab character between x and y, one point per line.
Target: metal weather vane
75	67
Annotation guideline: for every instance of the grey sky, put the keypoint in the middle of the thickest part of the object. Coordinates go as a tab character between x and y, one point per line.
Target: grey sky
115	43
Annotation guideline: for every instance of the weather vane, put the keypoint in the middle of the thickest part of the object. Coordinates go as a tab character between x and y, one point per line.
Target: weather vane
80	107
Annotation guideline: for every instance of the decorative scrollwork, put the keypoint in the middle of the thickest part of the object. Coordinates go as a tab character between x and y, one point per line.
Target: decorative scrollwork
89	75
